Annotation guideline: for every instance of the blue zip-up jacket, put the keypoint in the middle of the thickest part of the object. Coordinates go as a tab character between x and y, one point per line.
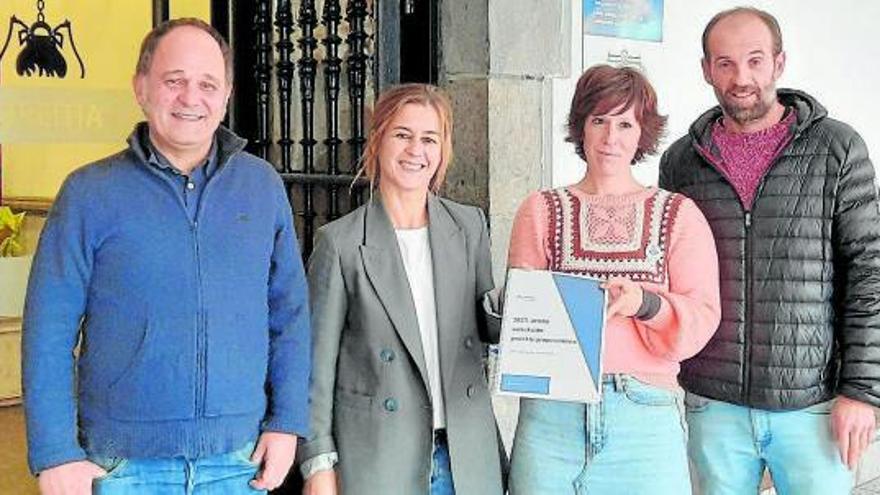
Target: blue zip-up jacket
193	334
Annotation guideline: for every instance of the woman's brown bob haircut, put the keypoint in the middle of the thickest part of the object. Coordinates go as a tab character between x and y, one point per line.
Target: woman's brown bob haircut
389	103
602	89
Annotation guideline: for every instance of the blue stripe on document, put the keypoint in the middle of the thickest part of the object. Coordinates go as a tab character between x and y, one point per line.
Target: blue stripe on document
525	384
585	303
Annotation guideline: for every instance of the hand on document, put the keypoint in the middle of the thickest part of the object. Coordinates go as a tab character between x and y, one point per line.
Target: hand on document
624	296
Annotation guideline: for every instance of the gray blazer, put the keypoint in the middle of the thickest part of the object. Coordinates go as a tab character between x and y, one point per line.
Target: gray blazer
370	401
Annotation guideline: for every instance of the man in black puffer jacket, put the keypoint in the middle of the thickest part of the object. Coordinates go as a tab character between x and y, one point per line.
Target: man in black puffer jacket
791	378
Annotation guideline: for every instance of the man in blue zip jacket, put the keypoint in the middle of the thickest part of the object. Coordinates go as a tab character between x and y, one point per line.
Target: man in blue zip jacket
166	332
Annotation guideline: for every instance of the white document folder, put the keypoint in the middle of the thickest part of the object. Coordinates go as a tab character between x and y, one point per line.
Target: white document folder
552	336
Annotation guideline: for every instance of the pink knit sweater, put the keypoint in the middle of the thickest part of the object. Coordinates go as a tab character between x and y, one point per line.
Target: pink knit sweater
654	237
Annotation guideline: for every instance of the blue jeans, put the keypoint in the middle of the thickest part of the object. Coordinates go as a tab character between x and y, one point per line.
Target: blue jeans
441	471
223	474
731	445
633	442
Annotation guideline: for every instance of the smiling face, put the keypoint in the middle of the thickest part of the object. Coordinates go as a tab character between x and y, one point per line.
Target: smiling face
410	150
184	92
743	70
610	142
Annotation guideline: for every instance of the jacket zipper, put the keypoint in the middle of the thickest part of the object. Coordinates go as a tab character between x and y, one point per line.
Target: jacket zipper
748	248
750	313
201	316
749	307
201	358
201	352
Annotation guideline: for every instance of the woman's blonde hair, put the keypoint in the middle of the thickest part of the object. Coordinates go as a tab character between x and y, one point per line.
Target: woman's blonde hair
389	103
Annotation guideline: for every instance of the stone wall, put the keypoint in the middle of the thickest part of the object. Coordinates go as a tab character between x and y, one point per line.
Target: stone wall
498	58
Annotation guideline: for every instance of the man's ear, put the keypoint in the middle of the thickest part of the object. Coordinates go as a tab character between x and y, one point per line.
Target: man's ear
778	65
707	76
138	85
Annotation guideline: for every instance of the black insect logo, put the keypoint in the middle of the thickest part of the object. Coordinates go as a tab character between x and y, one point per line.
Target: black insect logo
42	44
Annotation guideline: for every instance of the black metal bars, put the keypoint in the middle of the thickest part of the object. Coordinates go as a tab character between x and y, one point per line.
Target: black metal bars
357	72
331	18
308	21
284	70
285	44
263	74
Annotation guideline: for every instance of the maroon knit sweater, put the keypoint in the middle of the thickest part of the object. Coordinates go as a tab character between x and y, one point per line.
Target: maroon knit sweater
745	157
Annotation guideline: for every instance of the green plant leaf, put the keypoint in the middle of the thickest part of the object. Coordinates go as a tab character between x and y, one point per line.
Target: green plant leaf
6	248
17	248
17	222
7	218
10	226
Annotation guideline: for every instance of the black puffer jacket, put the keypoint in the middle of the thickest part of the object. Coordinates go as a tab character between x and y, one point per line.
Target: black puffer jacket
800	272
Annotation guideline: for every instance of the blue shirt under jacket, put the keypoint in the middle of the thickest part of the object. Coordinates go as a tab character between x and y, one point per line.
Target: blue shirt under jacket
193	333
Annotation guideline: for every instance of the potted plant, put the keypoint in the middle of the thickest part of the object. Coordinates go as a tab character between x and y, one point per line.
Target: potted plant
15	265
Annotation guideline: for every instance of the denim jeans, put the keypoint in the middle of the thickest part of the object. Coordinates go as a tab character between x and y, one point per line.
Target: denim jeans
223	474
633	442
731	445
441	471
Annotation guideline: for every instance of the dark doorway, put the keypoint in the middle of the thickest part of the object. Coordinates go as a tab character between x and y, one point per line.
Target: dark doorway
419	41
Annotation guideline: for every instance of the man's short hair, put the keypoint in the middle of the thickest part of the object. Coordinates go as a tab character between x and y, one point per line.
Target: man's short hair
765	17
151	41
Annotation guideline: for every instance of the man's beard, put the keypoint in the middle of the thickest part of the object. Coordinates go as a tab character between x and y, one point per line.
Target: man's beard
745	114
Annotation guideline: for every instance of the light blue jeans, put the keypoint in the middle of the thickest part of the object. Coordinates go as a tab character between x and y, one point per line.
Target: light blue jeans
633	442
441	470
224	474
731	445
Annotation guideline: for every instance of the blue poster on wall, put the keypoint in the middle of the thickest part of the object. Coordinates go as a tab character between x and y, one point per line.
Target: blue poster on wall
632	19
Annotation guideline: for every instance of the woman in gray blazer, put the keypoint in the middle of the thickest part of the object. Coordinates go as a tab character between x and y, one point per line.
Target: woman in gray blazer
399	398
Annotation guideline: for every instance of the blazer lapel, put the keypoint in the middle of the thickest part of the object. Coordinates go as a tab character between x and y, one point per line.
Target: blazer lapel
448	252
380	255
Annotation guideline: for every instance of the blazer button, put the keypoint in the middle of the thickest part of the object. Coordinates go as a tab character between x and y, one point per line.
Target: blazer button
469	342
471	390
390	405
386	355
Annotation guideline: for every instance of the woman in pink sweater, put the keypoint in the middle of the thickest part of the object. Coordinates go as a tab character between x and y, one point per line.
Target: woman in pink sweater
656	254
